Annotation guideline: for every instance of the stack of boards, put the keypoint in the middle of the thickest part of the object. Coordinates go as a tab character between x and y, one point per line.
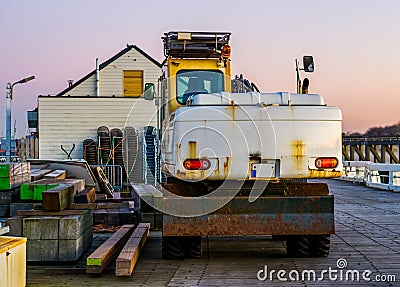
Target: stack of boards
12	175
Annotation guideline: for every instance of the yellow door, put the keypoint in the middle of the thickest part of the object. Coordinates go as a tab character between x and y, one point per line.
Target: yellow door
133	83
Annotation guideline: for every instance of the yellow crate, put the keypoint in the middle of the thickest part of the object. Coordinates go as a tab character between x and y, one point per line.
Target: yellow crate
12	261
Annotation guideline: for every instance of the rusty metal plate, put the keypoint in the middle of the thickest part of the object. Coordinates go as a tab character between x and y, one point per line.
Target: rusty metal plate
272	215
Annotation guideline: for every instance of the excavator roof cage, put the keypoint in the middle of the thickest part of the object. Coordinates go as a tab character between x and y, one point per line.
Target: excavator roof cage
195	44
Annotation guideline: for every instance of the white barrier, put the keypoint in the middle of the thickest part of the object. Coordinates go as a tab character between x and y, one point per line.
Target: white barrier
377	175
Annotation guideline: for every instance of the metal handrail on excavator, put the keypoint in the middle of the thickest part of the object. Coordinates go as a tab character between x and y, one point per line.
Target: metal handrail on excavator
195	44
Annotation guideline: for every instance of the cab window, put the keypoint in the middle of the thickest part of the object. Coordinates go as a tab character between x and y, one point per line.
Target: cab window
192	82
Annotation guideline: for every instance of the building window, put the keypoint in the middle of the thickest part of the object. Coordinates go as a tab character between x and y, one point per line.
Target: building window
133	83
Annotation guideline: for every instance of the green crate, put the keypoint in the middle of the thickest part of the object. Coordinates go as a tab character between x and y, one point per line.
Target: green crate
5	170
38	189
26	191
5	183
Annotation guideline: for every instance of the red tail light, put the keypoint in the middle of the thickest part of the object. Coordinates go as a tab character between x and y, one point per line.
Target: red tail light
326	162
196	164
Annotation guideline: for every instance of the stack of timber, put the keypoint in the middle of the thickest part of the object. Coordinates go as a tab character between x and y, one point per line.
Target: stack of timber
53	235
34	190
30	194
125	244
12	175
115	214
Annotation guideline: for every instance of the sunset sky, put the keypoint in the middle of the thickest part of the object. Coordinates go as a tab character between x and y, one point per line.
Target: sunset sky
355	44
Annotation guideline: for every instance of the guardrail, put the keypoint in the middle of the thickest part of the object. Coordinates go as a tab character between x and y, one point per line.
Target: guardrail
377	175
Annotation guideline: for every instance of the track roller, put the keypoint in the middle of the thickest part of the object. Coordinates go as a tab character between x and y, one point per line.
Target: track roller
297	246
178	247
308	245
320	245
191	246
171	247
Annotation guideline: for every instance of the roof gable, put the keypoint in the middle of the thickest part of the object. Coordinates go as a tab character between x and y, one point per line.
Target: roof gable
108	62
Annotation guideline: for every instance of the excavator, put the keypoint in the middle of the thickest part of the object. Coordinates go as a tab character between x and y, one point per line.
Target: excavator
236	161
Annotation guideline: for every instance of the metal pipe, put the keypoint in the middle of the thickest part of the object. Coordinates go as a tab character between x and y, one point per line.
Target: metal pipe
298	80
158	162
8	122
97	78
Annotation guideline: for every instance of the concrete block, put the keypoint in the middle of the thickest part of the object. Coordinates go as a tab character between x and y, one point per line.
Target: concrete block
42	250
41	227
71	227
15	224
49	227
32	228
72	249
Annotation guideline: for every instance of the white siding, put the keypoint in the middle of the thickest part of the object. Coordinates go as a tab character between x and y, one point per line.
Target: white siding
111	76
87	87
68	120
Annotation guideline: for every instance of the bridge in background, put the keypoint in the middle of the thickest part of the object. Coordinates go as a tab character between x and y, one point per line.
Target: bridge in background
385	149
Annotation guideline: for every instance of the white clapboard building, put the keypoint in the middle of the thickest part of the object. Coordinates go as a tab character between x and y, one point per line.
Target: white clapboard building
110	95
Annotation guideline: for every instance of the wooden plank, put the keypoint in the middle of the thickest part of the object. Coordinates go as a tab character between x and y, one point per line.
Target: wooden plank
109	250
79	206
129	255
56	174
58	198
39	174
50	213
79	184
99	205
87	195
14	207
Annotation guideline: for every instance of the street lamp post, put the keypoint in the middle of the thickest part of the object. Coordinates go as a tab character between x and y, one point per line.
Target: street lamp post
9	95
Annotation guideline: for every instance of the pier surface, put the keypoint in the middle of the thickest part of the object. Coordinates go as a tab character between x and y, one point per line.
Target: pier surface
367	243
